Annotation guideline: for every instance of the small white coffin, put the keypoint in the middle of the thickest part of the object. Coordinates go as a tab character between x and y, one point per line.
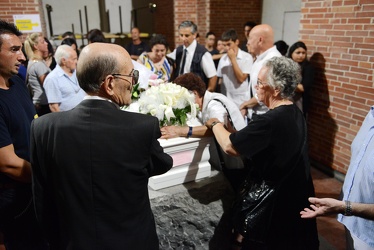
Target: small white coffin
190	158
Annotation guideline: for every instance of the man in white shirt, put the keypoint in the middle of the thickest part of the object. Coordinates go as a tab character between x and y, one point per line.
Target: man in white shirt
234	68
61	85
261	44
193	57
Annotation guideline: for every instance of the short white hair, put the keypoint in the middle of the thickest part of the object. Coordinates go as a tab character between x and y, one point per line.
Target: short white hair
63	51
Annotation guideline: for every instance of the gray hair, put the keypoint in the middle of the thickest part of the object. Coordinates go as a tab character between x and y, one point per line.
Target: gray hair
188	24
283	74
92	72
63	51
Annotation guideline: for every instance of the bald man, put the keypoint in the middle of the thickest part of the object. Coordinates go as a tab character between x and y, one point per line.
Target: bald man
261	45
91	164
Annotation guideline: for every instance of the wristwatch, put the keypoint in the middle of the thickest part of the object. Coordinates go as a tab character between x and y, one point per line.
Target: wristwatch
348	208
189	132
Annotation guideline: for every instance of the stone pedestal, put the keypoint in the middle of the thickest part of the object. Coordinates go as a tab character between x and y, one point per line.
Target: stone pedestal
195	215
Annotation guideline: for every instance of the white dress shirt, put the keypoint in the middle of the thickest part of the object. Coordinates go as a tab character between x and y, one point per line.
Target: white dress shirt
207	63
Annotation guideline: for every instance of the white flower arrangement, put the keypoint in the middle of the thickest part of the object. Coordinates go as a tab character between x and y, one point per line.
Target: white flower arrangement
137	89
169	102
154	81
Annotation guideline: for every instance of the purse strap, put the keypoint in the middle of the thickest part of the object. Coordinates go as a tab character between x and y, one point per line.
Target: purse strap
228	113
221	159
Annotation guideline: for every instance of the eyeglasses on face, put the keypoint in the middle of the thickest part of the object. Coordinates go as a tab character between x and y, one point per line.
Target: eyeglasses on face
134	74
259	83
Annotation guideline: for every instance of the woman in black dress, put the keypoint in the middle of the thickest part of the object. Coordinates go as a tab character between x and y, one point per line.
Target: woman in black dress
298	53
273	145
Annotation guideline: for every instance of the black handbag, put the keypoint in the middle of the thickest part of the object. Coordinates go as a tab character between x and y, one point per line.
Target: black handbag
253	210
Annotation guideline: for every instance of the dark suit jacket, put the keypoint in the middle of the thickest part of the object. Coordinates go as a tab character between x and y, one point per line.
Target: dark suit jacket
90	176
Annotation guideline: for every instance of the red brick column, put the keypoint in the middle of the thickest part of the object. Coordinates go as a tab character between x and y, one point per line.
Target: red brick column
8	8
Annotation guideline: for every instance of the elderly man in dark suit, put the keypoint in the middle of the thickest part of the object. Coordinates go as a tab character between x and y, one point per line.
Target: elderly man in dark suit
91	164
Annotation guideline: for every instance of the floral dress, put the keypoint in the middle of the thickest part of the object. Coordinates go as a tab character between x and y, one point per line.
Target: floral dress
163	71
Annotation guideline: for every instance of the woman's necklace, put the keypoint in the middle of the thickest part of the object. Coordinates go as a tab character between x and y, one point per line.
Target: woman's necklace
35	60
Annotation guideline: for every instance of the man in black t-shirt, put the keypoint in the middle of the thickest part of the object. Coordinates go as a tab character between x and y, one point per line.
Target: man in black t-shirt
17	217
247	28
210	39
137	46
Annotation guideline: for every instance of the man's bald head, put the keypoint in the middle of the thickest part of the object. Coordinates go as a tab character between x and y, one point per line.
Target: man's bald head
261	38
98	60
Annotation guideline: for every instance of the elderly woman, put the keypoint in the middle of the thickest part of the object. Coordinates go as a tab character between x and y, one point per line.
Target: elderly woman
274	144
212	105
156	60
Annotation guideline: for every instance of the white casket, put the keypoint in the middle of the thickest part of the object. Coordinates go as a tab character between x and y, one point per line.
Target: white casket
190	158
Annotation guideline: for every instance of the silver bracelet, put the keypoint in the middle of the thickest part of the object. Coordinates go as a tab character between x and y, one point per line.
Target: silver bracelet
213	123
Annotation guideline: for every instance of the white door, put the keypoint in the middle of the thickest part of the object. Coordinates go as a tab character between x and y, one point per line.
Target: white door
284	17
291	26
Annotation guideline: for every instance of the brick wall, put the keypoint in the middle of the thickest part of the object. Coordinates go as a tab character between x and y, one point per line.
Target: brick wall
8	8
184	10
340	40
209	15
233	14
203	18
163	20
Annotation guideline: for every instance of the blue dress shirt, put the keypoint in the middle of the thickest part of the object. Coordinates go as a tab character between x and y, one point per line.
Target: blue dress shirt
359	181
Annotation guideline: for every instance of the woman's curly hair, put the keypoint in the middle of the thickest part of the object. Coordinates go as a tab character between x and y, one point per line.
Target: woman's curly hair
283	74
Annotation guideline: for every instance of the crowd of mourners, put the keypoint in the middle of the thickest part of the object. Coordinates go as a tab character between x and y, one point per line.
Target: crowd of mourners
74	167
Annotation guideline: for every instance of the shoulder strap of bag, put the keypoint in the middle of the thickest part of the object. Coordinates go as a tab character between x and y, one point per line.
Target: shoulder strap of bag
232	125
228	113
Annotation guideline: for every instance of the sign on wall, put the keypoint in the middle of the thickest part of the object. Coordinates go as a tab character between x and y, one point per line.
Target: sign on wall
28	23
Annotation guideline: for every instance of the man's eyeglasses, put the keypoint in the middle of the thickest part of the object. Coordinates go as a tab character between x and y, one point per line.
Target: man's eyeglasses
134	74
